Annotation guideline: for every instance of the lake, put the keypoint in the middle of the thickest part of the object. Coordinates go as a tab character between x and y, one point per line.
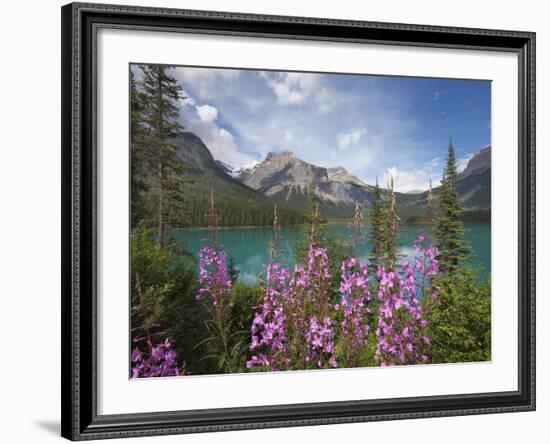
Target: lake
249	246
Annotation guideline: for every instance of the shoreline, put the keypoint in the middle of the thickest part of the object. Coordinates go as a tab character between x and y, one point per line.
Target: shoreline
332	221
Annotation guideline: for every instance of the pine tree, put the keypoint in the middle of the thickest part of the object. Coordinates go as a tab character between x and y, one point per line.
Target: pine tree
376	234
448	228
161	93
460	318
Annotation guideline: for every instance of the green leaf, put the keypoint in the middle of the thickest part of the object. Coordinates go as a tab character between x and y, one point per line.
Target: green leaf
221	361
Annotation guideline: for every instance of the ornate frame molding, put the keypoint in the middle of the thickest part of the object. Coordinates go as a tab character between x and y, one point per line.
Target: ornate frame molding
79	395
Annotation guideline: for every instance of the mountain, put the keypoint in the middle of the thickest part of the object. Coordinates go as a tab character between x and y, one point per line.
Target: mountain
195	155
340	174
474	183
287	180
478	164
236	203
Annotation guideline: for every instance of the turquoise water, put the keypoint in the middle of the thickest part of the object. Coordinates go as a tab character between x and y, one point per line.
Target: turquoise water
249	246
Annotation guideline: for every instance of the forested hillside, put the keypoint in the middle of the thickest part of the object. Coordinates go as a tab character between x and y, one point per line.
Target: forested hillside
237	204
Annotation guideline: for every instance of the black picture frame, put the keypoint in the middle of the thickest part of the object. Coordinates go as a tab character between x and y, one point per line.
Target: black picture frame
80	420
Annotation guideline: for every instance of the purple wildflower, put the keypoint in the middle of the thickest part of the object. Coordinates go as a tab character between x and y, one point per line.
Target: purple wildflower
400	329
161	360
214	278
320	343
269	324
354	327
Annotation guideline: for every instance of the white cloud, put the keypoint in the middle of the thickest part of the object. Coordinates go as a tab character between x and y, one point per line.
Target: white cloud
345	140
408	180
415	178
207	113
207	83
291	88
289	136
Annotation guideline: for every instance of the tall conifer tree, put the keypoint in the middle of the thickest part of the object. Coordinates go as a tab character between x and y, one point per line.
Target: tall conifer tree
449	230
161	93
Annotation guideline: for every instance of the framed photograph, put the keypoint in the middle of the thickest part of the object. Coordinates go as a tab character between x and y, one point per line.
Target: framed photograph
281	221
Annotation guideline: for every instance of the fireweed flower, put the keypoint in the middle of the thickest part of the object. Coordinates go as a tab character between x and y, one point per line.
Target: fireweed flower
214	278
354	327
215	287
285	330
295	326
426	264
215	294
400	328
317	279
161	360
320	343
269	324
309	304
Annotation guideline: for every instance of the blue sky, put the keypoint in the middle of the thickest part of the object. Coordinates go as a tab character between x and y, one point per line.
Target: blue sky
374	126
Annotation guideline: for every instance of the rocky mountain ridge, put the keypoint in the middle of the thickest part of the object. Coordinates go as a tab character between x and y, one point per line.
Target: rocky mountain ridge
285	179
478	164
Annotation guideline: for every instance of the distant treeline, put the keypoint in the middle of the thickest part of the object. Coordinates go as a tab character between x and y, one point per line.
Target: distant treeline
464	216
475	215
235	206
